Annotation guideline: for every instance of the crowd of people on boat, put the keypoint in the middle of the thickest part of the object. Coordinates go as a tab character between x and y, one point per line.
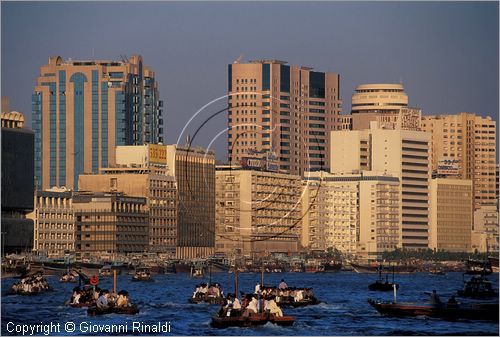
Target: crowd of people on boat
67	277
102	298
204	291
285	294
32	284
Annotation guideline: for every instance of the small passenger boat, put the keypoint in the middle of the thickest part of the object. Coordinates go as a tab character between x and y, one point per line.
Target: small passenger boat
254	320
381	285
68	278
129	310
142	274
476	311
477	287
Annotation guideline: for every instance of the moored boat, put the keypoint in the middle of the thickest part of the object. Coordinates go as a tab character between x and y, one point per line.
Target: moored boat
477	287
374	268
254	320
478	311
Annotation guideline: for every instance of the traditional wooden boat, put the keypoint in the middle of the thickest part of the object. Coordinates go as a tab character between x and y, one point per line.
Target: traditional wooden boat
209	300
478	311
478	267
68	278
142	275
29	293
299	304
331	266
254	320
80	305
494	263
477	287
380	285
130	310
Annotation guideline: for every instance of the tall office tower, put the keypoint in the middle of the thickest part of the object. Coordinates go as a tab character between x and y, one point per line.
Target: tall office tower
287	110
464	145
257	212
385	103
83	109
54	222
17	183
141	171
401	153
451	215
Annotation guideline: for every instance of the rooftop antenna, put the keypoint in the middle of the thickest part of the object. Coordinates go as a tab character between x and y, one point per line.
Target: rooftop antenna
238	59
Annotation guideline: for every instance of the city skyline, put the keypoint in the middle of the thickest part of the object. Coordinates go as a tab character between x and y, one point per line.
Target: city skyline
189	46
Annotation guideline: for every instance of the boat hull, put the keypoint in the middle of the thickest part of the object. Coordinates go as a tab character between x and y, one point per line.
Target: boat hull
475	312
255	320
131	310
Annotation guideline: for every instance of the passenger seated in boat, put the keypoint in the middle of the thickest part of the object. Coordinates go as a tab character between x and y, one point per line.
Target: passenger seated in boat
257	288
435	300
252	308
452	302
273	308
102	301
236	303
123	300
282	285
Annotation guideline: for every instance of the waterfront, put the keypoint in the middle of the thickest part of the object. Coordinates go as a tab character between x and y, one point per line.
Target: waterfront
346	311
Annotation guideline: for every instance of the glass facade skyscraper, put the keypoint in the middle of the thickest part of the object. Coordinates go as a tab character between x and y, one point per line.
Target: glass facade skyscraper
83	109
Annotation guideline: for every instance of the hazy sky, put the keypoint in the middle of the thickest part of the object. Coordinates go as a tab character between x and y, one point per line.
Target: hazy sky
445	53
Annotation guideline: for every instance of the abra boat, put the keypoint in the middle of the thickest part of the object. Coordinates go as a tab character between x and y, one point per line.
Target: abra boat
331	266
254	320
380	285
477	311
477	287
209	300
130	310
142	274
374	268
478	267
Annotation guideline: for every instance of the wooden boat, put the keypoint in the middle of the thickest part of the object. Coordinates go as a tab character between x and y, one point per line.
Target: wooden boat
254	320
494	263
80	305
479	311
380	285
299	304
68	278
142	275
209	300
331	266
477	287
130	310
29	293
477	267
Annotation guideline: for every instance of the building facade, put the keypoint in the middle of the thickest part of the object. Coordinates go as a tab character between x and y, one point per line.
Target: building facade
485	229
54	223
288	110
464	146
110	224
83	109
361	212
451	215
17	183
143	172
257	212
401	153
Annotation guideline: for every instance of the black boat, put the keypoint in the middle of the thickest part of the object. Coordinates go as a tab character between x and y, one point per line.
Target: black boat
129	310
477	287
381	285
477	311
254	320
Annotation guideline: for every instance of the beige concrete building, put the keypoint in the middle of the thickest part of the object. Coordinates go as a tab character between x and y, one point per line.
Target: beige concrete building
149	180
451	215
464	146
401	153
83	109
288	110
110	224
257	212
485	230
194	173
54	223
315	214
360	212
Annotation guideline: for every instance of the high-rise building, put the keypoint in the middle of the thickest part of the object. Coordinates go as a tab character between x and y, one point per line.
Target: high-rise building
288	110
257	212
485	230
54	222
464	146
83	109
142	171
17	183
110	224
451	215
358	214
401	153
385	103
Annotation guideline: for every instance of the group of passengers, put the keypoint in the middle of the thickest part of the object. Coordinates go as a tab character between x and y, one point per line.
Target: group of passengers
284	294
101	297
33	284
204	291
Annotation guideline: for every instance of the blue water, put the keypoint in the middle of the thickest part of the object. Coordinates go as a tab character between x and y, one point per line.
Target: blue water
346	311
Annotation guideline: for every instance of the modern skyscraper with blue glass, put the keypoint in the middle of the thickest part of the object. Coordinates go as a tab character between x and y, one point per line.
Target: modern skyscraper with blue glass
83	109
